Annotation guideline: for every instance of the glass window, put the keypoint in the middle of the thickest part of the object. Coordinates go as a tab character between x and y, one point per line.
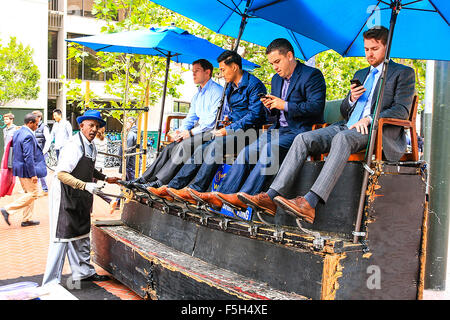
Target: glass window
75	7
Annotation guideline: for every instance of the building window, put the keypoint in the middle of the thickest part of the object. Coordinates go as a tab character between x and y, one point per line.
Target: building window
81	8
181	106
84	70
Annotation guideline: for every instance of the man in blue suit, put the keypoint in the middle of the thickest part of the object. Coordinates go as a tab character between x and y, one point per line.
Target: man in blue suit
296	102
28	165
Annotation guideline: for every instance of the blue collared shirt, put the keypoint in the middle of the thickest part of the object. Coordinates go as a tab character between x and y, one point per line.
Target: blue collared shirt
203	108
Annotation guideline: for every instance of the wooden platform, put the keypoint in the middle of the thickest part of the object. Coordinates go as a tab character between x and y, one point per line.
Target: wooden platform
178	254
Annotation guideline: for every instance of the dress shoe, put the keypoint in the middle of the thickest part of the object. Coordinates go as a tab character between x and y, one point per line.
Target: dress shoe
231	199
29	223
182	195
160	192
5	215
207	197
96	277
261	200
297	207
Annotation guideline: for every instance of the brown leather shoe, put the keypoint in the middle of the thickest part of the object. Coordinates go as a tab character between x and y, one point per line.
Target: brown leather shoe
181	195
231	199
261	200
207	197
298	207
160	192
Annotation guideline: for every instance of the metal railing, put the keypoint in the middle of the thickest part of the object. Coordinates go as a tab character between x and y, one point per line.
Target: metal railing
53	68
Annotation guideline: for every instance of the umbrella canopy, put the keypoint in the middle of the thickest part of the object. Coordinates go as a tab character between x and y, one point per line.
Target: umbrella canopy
422	29
177	43
225	16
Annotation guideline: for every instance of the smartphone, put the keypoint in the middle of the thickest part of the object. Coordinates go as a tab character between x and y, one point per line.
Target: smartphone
262	95
356	81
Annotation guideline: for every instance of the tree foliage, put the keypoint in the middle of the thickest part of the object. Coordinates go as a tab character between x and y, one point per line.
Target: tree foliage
19	76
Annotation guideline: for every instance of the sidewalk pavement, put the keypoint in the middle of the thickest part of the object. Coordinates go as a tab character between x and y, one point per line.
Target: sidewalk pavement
23	250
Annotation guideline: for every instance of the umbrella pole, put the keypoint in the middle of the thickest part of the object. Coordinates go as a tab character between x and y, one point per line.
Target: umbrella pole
356	234
163	101
236	46
124	138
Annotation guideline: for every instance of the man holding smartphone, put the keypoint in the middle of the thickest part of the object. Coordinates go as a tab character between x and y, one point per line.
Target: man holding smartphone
296	102
345	137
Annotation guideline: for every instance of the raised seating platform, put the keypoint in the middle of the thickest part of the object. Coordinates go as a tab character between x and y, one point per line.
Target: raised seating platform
185	254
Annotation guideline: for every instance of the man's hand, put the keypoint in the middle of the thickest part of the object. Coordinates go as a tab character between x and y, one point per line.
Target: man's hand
91	187
181	135
34	179
112	180
362	126
356	92
220	133
272	102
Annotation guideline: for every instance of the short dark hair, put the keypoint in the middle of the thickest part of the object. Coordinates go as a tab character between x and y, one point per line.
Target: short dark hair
228	57
280	44
379	33
58	111
30	117
205	64
9	115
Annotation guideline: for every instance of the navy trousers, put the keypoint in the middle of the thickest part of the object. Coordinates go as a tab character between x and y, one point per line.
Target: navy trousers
257	163
207	159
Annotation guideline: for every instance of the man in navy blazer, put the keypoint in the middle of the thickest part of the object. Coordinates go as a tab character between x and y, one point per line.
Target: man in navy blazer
296	102
28	165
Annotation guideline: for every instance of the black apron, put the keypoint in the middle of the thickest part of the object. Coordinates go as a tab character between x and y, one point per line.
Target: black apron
74	218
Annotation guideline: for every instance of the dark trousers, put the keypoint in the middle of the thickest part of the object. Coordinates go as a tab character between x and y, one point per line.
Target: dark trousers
251	176
207	158
172	158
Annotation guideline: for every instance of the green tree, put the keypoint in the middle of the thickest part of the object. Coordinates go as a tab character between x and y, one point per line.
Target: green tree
19	76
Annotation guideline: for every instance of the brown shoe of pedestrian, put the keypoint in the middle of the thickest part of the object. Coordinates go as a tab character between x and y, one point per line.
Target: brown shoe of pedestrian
207	197
260	200
297	207
231	199
160	192
182	195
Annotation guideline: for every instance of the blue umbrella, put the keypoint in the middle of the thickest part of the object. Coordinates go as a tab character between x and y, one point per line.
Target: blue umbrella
225	17
170	42
180	45
422	31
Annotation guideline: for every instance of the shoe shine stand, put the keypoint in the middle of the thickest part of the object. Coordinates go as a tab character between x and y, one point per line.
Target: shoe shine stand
168	251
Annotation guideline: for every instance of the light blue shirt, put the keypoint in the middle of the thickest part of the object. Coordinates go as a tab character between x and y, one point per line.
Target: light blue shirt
203	108
368	105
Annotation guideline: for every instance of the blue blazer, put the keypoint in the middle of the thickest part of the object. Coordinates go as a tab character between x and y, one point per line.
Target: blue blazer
306	97
28	160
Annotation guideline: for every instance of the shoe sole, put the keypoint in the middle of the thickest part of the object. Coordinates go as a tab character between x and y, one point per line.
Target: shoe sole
5	216
252	204
231	204
177	197
292	211
193	195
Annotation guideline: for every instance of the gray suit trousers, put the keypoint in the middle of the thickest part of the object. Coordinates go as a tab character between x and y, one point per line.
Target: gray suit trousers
337	140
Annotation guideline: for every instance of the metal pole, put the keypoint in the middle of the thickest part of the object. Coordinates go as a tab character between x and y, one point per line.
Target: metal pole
439	207
144	156
428	110
374	127
124	136
163	101
244	19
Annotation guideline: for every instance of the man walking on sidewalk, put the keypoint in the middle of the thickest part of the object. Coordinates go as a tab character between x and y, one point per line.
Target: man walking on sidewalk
27	165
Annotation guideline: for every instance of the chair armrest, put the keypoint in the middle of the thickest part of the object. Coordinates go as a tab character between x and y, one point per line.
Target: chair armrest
393	121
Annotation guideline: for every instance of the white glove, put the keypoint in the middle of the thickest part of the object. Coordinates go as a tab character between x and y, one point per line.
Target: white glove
91	187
